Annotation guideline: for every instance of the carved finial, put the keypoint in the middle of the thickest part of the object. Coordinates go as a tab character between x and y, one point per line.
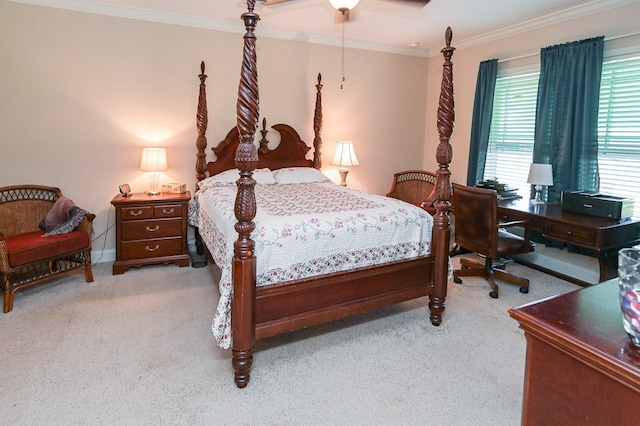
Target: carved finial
448	36
319	78
202	75
250	5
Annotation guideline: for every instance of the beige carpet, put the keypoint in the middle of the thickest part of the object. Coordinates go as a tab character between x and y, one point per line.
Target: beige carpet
136	349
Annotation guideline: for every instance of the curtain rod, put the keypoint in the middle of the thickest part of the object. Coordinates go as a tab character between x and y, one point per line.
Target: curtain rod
528	55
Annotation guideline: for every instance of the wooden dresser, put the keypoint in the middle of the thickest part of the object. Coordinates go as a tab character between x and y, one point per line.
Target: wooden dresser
150	229
581	368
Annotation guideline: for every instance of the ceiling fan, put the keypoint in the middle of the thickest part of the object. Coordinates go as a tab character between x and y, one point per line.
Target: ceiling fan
343	7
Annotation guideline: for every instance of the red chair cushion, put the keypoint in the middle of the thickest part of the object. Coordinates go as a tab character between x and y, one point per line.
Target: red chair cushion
33	247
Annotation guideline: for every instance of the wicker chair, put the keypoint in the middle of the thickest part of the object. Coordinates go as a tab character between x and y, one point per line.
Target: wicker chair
413	186
27	258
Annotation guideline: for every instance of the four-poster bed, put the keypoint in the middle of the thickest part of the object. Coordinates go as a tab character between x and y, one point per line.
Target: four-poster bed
260	309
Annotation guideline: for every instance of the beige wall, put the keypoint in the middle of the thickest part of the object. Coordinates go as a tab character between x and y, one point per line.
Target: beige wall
612	23
82	94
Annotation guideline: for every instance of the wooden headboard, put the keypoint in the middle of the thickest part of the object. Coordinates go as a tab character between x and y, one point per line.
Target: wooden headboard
291	151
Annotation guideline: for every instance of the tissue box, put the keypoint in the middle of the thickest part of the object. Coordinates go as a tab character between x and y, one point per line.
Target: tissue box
174	188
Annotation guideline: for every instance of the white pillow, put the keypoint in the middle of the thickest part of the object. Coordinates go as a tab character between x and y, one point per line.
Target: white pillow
229	177
299	175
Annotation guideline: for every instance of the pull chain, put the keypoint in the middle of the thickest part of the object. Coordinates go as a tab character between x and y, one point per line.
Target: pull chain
342	59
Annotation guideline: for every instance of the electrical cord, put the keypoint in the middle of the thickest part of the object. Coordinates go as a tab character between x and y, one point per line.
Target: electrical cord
104	243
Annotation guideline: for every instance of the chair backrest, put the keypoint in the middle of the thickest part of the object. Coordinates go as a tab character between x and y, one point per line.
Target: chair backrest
412	186
476	219
22	207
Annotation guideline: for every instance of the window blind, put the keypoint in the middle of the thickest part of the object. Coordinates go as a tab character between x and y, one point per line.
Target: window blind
510	150
619	130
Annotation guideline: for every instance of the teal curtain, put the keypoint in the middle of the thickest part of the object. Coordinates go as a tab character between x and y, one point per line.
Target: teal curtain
567	115
481	120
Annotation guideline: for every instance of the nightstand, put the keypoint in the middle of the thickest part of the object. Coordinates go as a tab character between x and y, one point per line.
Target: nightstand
150	230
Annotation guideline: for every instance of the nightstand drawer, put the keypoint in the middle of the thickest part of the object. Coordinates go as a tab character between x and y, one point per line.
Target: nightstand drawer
570	234
155	228
139	212
167	210
152	248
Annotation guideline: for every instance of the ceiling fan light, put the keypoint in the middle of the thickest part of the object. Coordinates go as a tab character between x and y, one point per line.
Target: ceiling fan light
343	4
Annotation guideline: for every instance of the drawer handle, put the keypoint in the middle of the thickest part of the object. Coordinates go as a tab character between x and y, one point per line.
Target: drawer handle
152	249
154	229
138	213
569	233
165	211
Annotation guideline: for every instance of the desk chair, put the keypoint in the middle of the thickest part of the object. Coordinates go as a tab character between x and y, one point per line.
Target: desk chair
478	230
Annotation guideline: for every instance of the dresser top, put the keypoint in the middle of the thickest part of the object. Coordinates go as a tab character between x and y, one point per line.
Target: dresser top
142	198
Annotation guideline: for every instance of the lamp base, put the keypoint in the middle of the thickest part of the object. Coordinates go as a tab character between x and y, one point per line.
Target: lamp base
536	199
343	176
153	184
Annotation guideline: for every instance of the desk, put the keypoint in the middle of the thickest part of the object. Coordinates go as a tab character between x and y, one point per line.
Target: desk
600	237
581	367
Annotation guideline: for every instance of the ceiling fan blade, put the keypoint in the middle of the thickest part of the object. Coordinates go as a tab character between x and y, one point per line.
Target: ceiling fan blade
272	2
410	3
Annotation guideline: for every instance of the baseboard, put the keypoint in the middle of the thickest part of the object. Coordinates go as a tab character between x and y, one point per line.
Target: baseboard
103	256
577	266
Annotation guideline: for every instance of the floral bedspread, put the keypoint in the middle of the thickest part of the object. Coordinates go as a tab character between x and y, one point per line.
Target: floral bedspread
307	229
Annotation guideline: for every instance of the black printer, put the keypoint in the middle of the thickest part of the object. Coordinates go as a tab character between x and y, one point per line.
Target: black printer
596	204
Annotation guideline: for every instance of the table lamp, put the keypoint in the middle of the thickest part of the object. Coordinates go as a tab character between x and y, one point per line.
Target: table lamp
154	160
343	157
539	175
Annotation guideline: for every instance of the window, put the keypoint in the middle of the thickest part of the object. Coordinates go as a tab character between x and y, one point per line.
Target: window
619	130
510	148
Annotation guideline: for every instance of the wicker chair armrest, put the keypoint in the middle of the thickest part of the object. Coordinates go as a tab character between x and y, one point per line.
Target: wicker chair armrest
4	255
87	224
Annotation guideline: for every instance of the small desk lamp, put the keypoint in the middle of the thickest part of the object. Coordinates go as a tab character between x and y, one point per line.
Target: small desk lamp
344	156
540	174
154	160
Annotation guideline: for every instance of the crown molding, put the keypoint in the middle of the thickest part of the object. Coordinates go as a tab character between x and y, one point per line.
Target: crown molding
129	12
586	9
97	7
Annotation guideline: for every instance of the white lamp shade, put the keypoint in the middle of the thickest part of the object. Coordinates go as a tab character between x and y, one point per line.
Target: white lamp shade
345	155
153	160
344	4
540	174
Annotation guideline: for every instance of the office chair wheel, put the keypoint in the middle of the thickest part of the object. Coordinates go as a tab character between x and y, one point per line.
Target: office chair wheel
493	294
524	290
457	280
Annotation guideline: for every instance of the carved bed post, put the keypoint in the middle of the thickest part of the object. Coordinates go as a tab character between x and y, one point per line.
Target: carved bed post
444	153
244	261
202	119
317	126
201	124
